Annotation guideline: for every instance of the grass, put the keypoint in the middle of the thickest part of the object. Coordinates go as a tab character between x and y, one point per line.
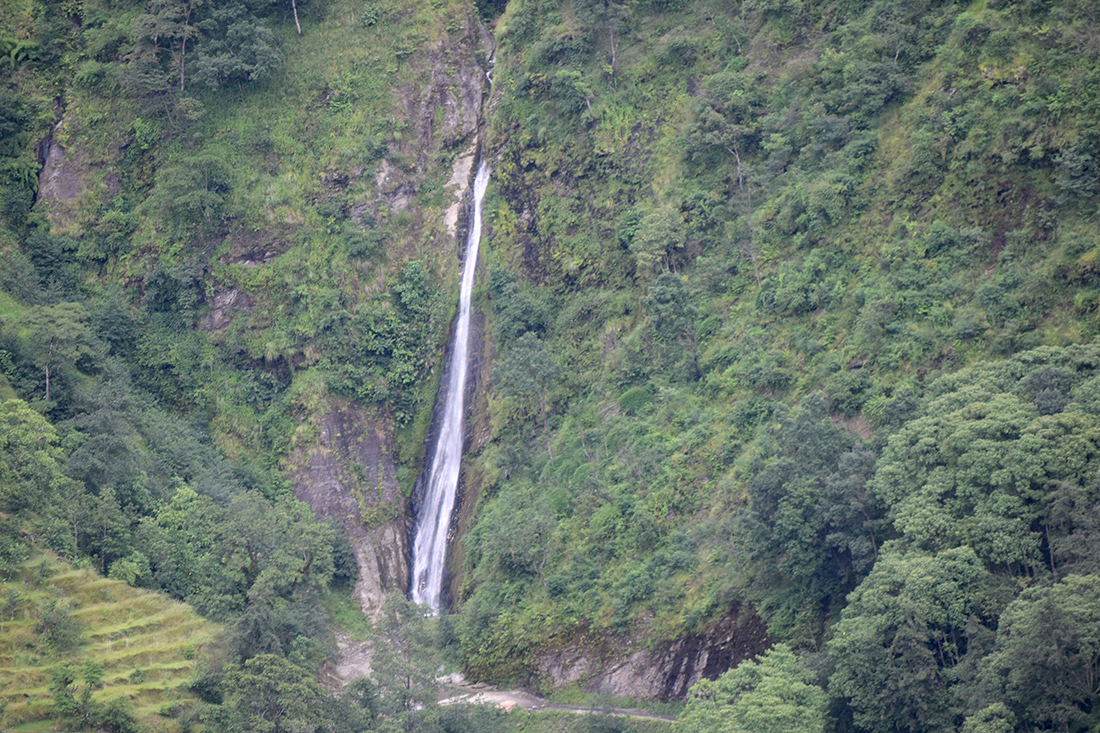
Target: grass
343	608
147	643
520	721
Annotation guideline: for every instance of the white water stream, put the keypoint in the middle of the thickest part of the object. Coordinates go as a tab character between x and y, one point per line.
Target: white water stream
434	519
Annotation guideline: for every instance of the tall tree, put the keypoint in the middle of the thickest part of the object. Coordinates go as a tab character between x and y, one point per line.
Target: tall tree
57	336
31	468
238	48
272	695
406	661
906	630
724	121
1046	665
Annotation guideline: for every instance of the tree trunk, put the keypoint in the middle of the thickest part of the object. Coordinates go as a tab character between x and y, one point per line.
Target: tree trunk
546	427
749	250
1050	550
294	6
49	354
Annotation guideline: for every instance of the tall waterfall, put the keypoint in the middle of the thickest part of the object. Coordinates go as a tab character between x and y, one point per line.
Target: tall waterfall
434	519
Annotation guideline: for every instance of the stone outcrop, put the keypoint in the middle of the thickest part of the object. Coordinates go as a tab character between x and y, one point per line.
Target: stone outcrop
349	474
348	471
69	176
633	667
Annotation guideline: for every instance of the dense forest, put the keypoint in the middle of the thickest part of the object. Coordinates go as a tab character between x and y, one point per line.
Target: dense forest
788	316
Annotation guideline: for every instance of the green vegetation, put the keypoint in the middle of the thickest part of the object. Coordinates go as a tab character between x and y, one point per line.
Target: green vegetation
812	276
792	310
79	647
561	722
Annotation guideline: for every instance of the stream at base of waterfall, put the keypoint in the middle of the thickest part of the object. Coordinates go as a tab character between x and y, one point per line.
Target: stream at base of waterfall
437	505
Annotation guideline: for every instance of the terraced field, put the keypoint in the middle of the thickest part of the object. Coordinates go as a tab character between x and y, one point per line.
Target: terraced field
147	644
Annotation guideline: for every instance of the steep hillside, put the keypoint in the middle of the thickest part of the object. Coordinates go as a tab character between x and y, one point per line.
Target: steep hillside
258	225
143	647
734	247
788	307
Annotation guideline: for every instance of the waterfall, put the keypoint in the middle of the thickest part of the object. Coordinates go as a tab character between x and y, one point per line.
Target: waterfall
434	518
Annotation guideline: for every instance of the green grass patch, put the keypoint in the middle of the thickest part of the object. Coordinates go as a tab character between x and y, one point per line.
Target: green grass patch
347	615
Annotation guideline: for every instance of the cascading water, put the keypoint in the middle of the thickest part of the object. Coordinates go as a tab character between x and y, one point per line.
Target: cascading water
434	519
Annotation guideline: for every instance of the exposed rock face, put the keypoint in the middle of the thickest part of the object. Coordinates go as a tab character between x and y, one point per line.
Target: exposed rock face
666	671
349	474
225	304
68	176
60	179
445	112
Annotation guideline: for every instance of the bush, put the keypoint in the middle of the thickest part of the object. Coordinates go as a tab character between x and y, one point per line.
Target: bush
635	400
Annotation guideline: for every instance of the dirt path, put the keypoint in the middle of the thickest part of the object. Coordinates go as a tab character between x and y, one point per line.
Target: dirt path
462	693
354	661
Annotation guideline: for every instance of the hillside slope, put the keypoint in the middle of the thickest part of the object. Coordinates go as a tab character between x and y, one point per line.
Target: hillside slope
147	646
735	248
789	321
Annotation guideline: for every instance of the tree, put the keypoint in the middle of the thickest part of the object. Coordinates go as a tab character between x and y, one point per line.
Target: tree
108	453
981	468
1072	528
611	15
72	701
516	528
405	660
272	695
724	122
163	30
996	718
193	193
18	170
31	475
799	532
774	694
57	335
528	371
907	628
238	48
53	259
1046	665
13	546
180	541
107	529
670	315
659	232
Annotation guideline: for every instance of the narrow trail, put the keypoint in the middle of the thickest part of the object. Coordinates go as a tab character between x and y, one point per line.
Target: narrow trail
465	694
354	661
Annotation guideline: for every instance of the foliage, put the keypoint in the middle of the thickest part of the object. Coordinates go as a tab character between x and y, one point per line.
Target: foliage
1044	662
56	337
238	47
776	273
274	695
905	630
775	693
31	468
407	662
